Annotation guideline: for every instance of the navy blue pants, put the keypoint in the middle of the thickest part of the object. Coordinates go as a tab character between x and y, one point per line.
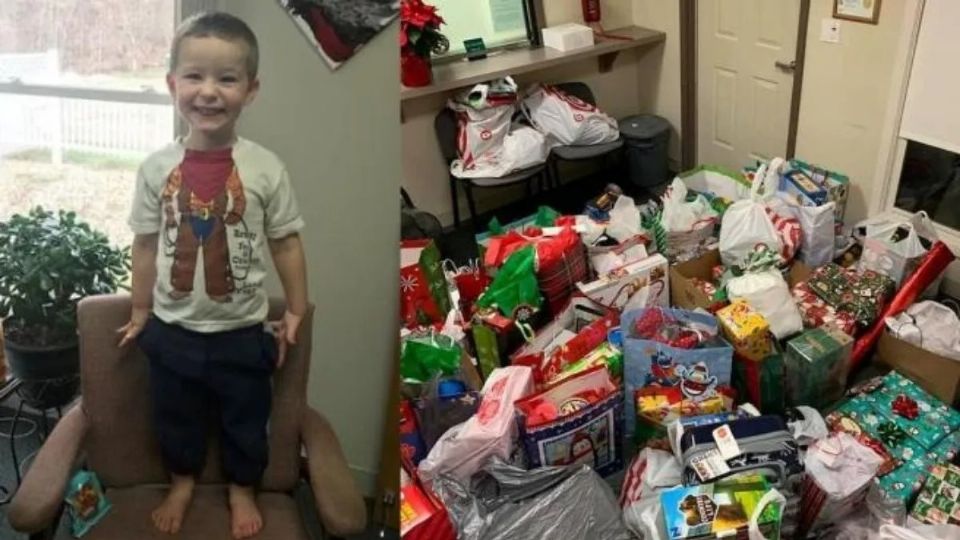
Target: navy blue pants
195	375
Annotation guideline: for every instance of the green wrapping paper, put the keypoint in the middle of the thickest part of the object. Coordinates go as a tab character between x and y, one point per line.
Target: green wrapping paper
861	295
421	358
939	501
816	366
515	291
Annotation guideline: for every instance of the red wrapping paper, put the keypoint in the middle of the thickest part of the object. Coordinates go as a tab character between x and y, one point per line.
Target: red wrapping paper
933	264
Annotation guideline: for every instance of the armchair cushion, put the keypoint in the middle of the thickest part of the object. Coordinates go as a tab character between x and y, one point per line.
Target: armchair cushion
207	518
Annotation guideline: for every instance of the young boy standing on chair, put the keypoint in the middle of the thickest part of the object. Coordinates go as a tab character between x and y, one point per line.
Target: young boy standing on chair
203	208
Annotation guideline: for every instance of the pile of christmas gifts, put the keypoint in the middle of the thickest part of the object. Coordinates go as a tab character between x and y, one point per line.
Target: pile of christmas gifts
906	426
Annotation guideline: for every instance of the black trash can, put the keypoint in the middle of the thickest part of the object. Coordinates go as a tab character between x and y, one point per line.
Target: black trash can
646	140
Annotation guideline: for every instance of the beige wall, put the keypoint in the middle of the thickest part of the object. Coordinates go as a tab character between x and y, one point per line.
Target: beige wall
338	133
846	90
645	80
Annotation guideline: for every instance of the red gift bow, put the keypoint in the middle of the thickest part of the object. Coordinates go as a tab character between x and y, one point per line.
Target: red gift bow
905	407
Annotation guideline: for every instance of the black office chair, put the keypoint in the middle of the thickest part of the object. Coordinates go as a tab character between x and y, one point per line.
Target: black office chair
445	126
578	152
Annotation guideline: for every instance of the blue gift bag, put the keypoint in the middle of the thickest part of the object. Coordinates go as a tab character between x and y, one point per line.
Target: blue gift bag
698	372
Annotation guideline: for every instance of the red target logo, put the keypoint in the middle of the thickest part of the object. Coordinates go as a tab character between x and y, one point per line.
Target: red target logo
578	117
486	134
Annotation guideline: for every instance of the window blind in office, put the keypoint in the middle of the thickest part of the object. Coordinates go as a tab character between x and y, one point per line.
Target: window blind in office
931	112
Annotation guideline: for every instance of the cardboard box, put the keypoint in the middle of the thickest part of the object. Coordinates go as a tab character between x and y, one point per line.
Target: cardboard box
936	374
685	294
719	510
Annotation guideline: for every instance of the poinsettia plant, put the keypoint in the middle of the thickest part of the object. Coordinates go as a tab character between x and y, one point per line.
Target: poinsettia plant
420	29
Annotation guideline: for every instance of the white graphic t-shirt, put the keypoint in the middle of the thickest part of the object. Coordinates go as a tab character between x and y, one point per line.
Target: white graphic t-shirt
213	211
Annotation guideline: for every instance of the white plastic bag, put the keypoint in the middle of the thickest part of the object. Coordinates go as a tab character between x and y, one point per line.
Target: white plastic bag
745	224
767	293
717	181
929	325
682	216
566	119
481	129
817	224
770	497
884	254
523	147
465	448
651	472
918	531
809	428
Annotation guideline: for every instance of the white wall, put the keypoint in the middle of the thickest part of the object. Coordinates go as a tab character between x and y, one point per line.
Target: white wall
846	89
339	134
644	80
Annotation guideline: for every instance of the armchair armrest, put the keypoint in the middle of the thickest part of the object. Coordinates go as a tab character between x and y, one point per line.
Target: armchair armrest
339	502
37	502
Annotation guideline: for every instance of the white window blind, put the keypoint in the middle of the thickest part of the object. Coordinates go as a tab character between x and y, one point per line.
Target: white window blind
931	112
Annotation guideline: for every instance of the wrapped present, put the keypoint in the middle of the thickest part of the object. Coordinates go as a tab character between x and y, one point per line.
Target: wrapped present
561	264
514	291
815	312
922	416
424	297
939	500
658	407
746	330
861	295
816	366
576	421
580	328
720	510
761	383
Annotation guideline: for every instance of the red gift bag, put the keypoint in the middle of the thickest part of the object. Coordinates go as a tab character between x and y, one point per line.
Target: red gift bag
422	515
470	281
424	298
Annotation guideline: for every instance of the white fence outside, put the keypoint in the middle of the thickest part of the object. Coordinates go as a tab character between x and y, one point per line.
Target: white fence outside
65	123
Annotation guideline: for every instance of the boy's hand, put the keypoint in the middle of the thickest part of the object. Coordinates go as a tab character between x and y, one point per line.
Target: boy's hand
286	334
129	331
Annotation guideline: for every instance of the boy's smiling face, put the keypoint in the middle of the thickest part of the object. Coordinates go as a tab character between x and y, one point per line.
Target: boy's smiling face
210	86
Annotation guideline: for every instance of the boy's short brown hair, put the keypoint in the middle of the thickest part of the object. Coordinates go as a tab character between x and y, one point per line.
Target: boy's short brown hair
219	25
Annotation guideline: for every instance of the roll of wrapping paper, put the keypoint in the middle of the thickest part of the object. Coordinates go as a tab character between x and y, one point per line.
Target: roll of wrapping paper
933	264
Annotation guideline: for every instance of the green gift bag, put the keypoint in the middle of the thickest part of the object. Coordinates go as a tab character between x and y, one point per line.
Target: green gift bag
515	291
422	358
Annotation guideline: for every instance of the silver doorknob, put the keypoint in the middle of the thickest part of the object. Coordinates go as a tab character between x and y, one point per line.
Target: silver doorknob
786	66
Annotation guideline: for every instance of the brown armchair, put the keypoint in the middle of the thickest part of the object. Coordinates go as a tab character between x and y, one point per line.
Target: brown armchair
110	432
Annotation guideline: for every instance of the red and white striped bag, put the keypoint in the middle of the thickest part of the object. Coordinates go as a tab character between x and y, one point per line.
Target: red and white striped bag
649	471
790	233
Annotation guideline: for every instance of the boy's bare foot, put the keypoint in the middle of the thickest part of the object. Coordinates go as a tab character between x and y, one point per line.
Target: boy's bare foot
245	520
168	517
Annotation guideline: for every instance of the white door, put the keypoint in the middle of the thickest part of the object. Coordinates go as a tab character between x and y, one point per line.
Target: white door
745	50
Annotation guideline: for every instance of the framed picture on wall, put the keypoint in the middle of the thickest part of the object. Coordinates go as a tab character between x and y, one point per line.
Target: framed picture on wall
865	11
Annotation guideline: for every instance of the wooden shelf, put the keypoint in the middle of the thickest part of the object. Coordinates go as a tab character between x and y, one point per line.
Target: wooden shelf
514	62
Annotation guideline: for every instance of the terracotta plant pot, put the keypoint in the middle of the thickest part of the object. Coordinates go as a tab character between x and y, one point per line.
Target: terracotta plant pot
415	70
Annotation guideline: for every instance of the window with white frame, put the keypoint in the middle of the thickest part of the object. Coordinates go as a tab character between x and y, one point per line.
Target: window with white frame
927	168
82	102
500	23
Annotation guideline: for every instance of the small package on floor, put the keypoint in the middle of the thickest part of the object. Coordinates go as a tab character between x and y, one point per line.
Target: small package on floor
817	363
86	502
550	503
576	421
424	297
840	470
580	328
642	283
939	500
746	330
723	510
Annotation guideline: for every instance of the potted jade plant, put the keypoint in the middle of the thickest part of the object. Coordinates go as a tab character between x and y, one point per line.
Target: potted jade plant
419	38
48	262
